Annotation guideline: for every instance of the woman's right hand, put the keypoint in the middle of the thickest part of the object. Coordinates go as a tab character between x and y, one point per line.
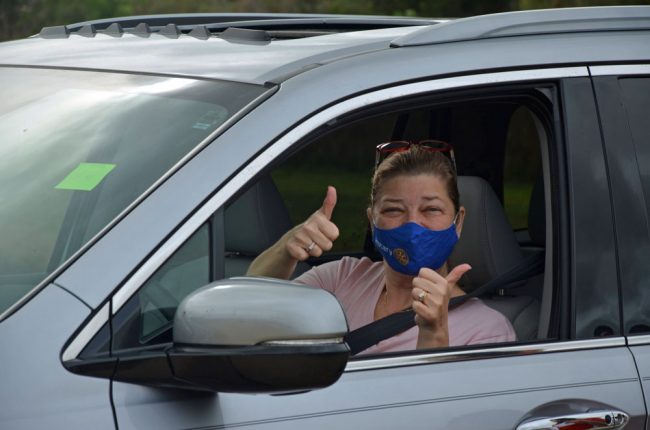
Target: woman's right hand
317	234
311	238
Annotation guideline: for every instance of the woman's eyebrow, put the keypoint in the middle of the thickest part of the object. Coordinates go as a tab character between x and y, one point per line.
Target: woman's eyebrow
392	200
429	198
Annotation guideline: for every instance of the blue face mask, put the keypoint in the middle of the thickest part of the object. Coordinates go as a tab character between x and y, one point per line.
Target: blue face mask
410	247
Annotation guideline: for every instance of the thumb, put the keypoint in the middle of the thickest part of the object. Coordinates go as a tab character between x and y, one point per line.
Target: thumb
329	202
454	276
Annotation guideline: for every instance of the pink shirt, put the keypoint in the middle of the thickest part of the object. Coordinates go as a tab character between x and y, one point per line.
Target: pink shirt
357	284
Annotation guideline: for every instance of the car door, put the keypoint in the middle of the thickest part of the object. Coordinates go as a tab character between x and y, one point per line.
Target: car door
578	364
623	94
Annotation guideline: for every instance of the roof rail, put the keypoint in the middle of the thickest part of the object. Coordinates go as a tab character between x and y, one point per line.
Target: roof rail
162	20
567	20
257	28
217	21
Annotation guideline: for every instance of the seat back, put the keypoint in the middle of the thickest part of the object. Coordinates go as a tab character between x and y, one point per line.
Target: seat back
489	245
253	222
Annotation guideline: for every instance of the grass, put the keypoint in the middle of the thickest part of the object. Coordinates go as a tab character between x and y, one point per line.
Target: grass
304	189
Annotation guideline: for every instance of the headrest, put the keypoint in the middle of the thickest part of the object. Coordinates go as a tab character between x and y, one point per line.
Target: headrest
487	241
256	220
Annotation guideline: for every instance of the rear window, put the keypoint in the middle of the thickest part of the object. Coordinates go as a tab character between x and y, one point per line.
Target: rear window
78	147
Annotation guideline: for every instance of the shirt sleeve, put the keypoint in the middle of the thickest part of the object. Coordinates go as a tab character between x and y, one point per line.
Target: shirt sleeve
475	323
497	330
324	276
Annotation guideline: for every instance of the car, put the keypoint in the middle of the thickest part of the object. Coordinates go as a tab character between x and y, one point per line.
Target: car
146	161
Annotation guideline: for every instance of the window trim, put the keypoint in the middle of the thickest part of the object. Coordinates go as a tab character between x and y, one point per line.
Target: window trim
621	69
302	129
357	365
638	339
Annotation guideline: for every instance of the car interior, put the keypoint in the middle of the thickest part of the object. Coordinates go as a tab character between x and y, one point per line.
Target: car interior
489	243
499	139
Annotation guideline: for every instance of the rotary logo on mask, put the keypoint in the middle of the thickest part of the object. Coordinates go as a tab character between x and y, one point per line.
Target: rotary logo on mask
401	256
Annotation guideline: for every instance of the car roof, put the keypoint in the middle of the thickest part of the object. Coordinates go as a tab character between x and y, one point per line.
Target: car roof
240	53
254	48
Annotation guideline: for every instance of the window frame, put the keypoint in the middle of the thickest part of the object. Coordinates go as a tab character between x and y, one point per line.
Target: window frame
285	144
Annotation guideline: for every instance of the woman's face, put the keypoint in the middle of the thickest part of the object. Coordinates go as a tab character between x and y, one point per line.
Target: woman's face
422	199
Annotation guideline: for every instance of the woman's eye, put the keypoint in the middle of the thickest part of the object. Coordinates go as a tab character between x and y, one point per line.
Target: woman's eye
391	211
433	210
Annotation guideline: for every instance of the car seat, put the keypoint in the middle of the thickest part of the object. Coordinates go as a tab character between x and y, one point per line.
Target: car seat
489	245
253	222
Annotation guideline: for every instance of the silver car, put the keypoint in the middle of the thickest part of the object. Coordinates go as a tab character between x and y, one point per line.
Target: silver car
145	161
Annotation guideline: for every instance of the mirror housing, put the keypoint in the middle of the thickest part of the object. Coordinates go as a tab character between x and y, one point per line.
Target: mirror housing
243	335
259	335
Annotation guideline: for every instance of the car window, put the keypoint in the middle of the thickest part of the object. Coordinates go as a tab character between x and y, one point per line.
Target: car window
147	318
78	147
489	138
343	159
522	168
635	93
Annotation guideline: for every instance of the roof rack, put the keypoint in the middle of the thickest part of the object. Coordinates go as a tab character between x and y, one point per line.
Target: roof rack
567	20
248	19
262	27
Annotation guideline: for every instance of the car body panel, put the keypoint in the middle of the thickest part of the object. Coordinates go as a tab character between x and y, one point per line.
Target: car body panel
38	392
214	58
642	358
493	393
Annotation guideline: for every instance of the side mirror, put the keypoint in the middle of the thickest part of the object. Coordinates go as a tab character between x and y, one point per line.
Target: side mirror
259	335
243	335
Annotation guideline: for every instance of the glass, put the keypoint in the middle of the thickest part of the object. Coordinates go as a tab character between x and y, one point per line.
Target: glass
387	148
635	272
78	147
147	318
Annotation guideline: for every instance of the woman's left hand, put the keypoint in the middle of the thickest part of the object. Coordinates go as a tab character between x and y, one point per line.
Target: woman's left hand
431	292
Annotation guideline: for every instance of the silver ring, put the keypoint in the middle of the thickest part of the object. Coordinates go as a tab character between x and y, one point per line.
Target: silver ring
311	246
421	296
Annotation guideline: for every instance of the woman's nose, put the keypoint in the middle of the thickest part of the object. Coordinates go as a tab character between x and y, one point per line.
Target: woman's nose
414	216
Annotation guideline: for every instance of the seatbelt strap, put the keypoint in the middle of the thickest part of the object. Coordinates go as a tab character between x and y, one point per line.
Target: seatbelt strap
364	337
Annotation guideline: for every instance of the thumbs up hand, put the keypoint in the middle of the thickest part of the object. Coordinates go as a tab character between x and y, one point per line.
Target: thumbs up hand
431	293
317	234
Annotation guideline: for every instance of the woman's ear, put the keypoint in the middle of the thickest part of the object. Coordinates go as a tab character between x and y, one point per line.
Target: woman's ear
459	221
369	215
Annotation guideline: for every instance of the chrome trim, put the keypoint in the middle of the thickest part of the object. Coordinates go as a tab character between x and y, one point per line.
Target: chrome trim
63	266
643	339
622	69
479	354
304	342
86	334
594	420
300	131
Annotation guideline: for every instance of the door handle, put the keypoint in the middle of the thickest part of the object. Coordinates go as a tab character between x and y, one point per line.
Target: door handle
593	420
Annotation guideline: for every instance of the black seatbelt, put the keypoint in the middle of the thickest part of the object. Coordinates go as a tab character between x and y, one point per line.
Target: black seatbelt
364	337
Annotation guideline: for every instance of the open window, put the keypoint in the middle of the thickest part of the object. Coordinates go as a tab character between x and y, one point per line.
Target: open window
499	137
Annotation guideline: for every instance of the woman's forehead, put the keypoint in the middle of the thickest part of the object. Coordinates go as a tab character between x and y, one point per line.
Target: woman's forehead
421	186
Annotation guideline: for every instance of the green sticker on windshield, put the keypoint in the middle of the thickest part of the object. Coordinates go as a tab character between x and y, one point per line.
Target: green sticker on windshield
85	177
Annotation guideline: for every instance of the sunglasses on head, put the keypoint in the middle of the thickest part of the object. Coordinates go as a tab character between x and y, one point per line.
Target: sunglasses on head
383	150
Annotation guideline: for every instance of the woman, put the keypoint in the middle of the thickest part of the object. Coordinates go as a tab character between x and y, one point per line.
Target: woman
416	220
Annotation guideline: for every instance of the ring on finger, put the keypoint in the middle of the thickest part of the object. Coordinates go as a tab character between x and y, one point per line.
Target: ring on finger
311	246
422	296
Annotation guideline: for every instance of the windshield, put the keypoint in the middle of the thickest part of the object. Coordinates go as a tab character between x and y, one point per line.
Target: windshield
77	147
